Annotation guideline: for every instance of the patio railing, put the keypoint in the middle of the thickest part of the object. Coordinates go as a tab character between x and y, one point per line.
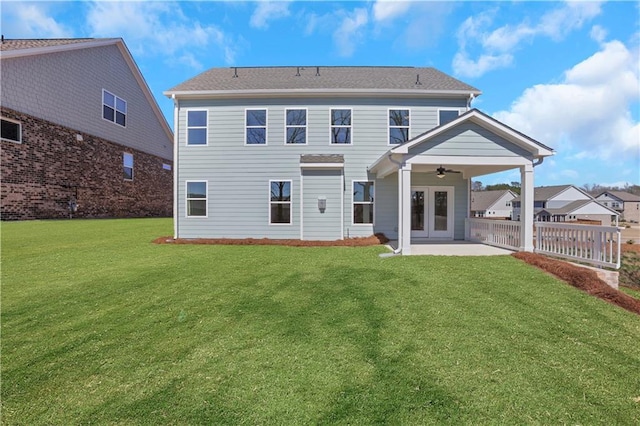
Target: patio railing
499	233
595	245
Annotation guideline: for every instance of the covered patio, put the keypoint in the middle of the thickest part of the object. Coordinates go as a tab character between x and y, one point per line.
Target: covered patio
434	172
451	248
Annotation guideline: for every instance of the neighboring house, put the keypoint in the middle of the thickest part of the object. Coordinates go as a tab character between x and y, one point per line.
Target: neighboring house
80	128
326	153
566	203
492	204
628	205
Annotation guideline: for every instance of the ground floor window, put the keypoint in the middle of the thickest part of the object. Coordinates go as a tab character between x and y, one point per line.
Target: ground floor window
196	198
127	163
280	202
11	130
363	195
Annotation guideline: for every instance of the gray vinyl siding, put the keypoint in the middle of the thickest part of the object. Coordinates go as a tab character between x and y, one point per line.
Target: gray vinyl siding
322	225
66	88
238	173
469	139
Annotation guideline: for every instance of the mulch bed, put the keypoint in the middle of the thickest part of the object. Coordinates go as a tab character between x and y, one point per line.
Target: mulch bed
582	279
373	240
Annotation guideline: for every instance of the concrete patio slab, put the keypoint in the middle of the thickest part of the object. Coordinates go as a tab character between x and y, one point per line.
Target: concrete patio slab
452	248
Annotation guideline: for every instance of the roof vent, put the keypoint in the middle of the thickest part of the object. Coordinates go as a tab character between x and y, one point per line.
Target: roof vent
235	72
418	80
317	71
298	72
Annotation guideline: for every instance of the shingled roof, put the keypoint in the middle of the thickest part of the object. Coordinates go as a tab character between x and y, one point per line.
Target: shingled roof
33	43
251	79
482	200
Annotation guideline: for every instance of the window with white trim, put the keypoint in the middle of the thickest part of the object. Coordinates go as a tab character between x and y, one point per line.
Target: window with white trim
398	126
256	127
127	163
196	198
197	127
296	126
280	202
363	198
11	130
341	126
114	109
447	115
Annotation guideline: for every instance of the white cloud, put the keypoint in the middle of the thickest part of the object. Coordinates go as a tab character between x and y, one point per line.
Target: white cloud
598	33
495	46
21	20
386	10
157	27
588	114
268	11
349	33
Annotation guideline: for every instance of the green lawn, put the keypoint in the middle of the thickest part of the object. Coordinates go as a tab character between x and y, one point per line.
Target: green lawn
100	326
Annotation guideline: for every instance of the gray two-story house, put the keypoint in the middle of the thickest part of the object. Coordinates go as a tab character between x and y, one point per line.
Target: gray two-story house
327	153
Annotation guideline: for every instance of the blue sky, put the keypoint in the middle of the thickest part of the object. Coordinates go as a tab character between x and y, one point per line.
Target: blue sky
565	73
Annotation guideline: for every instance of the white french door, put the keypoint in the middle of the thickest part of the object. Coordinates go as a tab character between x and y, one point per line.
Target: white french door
432	212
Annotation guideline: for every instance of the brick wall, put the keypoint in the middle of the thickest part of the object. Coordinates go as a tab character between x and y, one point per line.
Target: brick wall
50	167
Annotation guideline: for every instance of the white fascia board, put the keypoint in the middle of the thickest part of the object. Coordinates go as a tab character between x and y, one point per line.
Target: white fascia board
322	165
17	53
259	93
451	160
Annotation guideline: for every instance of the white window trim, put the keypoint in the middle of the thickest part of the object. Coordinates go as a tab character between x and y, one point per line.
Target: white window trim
331	126
389	126
373	203
186	199
266	126
205	127
306	126
279	202
458	110
126	114
19	129
124	166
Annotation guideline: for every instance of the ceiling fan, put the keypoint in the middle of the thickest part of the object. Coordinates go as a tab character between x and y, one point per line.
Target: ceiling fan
441	172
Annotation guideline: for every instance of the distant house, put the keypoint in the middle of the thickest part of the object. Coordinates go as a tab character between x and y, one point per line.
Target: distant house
628	205
492	204
328	153
80	131
566	203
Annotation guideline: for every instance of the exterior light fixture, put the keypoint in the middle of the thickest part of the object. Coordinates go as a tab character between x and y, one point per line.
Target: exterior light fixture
440	171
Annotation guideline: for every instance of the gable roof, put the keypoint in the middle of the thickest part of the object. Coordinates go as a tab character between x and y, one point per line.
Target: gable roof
573	206
15	48
476	116
622	196
544	193
320	80
483	200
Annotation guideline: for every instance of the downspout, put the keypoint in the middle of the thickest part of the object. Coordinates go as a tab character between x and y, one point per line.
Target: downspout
176	109
471	98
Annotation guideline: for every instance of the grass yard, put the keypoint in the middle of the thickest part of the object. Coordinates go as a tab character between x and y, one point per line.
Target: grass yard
100	326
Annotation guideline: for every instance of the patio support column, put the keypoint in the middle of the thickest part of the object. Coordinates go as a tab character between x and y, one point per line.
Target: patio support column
404	214
526	208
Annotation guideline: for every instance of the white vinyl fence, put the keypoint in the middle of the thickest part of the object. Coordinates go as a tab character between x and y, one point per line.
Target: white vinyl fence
595	245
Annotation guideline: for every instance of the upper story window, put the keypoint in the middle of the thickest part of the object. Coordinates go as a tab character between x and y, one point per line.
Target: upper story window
280	202
341	126
398	126
197	198
363	196
256	127
127	163
11	130
447	115
296	126
197	127
114	108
